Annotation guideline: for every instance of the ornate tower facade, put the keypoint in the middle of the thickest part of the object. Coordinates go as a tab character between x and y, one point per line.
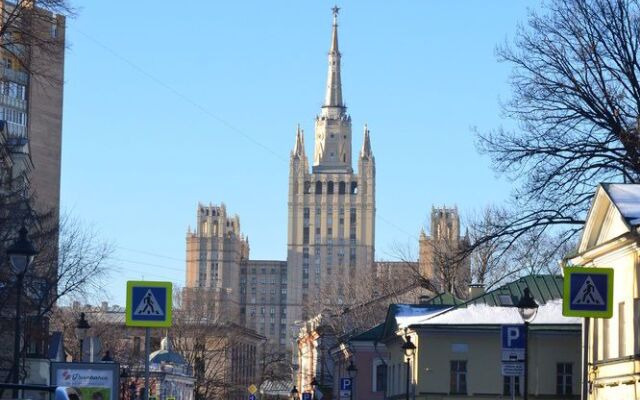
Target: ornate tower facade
441	258
215	250
331	227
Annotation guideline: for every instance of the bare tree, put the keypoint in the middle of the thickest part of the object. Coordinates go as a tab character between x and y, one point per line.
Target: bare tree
31	35
576	99
351	305
77	267
495	259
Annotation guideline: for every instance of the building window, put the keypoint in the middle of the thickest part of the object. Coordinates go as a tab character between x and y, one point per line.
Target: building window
458	377
380	377
507	385
564	378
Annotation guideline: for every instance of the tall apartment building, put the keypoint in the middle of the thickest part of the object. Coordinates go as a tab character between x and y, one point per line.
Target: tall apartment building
331	227
330	230
215	250
440	252
31	92
220	276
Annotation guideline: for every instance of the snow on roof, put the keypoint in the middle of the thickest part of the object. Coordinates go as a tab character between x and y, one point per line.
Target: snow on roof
480	314
407	314
627	198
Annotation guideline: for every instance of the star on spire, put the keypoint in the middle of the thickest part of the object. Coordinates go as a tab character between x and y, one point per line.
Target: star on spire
336	11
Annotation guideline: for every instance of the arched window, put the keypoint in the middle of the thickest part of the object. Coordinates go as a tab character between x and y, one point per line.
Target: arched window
354	187
307	187
329	187
342	188
318	187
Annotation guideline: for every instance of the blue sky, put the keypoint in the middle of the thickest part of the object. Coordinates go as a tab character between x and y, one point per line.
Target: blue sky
168	104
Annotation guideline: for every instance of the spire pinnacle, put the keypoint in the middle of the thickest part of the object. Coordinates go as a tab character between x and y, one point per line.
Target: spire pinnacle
298	148
366	145
333	96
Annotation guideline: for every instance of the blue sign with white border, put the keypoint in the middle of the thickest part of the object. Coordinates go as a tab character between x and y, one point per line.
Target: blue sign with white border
148	304
588	292
306	396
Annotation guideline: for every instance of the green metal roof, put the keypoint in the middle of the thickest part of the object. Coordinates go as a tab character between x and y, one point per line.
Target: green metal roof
544	288
444	299
372	334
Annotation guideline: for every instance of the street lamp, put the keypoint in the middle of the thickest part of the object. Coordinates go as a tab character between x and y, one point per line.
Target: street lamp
81	332
294	394
20	254
408	348
528	308
353	372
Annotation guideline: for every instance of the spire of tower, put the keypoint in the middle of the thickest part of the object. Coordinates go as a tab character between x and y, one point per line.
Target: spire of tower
333	96
366	145
298	148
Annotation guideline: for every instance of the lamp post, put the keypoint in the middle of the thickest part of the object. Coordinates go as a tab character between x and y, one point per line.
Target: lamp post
20	254
294	394
528	308
353	372
408	348
81	332
314	385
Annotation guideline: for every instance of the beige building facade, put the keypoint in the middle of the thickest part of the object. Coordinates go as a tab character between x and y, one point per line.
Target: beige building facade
331	227
331	231
459	350
610	239
440	252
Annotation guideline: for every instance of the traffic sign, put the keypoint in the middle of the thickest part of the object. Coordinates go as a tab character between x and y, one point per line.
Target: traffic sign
252	389
588	292
512	368
345	383
513	342
148	304
345	387
252	397
306	396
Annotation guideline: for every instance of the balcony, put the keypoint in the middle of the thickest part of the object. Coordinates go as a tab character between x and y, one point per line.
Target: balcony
13	102
13	75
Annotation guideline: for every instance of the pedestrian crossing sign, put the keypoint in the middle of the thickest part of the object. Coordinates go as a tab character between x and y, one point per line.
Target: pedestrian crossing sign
148	304
588	292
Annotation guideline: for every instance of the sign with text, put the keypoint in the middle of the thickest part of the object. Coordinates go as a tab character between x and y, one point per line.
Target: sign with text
588	292
510	368
93	381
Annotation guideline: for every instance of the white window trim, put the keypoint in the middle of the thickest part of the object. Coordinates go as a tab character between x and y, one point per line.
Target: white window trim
375	364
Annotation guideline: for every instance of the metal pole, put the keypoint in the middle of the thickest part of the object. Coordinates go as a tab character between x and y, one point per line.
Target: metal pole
147	351
526	360
513	387
16	342
585	359
408	377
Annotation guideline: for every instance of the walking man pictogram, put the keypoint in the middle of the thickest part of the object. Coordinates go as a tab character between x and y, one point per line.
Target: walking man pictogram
148	304
588	291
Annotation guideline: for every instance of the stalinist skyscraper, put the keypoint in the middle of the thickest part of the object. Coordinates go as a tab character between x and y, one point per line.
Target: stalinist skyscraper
331	208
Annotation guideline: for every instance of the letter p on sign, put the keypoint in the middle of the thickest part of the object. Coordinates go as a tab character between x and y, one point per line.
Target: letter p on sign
512	336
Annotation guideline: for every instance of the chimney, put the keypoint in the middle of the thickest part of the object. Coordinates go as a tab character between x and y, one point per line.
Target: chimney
476	290
104	307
